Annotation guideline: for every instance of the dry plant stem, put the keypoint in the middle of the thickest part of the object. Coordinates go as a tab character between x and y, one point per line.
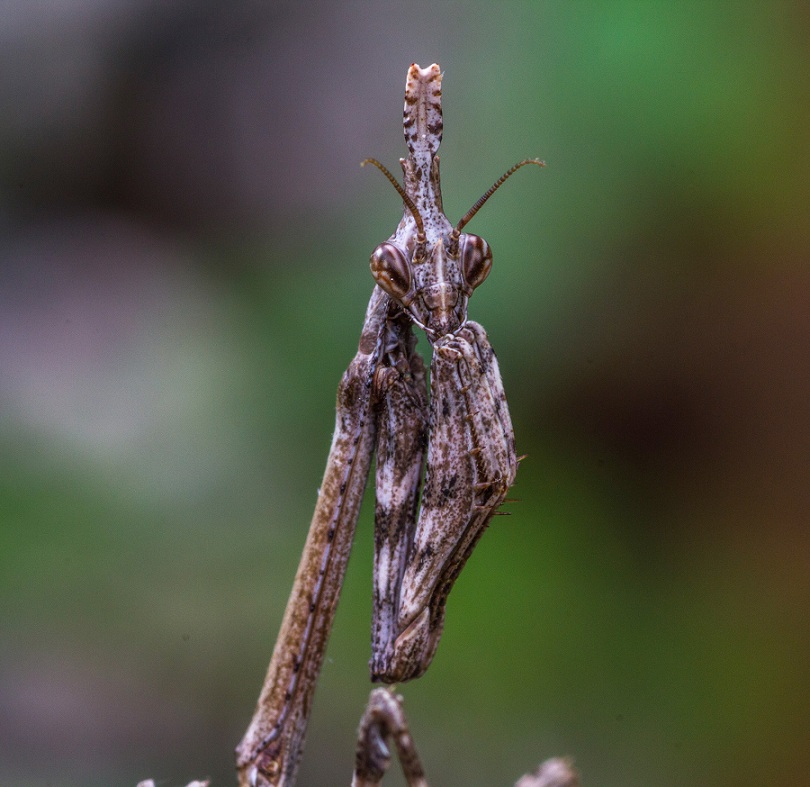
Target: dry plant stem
556	772
151	783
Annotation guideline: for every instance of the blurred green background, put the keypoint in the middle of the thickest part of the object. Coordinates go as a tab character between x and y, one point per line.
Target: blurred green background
184	236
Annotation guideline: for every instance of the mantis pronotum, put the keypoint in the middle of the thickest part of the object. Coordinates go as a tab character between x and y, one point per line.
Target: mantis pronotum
425	274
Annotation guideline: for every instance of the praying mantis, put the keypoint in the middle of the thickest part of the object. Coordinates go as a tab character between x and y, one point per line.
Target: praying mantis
425	274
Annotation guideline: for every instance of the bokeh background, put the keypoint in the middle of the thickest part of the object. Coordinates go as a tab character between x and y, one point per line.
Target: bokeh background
184	235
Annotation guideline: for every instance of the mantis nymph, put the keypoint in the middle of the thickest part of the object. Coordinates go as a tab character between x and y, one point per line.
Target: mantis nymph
425	274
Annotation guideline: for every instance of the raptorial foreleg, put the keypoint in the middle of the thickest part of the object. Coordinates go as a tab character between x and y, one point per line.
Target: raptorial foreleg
471	464
402	417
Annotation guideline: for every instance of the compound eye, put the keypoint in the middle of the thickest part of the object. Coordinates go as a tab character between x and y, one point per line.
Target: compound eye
390	270
476	259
